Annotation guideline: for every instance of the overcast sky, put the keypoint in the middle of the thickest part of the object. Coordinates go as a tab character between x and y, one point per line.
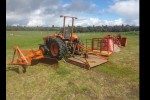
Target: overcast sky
88	12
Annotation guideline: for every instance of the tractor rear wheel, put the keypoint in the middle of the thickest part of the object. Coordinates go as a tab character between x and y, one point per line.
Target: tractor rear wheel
57	48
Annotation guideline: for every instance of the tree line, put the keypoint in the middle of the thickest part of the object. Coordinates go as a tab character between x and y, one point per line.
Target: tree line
77	29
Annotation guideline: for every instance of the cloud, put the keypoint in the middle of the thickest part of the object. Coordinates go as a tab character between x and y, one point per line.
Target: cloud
129	9
98	22
26	6
24	12
45	12
37	18
80	6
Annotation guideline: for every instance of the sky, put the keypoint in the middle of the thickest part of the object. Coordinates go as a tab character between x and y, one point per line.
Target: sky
88	12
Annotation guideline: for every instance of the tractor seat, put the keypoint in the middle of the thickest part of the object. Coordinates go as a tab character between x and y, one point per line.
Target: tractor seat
67	35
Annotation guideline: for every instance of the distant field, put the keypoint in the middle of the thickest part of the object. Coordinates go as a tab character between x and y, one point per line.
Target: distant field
116	80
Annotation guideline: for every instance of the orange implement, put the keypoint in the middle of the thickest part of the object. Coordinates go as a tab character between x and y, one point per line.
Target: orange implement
25	57
93	58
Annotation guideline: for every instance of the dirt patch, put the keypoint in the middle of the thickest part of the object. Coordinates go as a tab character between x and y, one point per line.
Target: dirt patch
133	92
112	98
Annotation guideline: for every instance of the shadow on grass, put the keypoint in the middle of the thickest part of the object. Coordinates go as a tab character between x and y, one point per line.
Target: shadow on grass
14	68
48	61
22	69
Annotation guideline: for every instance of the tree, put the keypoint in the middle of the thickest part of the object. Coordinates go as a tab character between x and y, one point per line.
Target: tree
127	28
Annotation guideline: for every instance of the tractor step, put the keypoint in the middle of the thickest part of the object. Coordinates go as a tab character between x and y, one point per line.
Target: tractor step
87	63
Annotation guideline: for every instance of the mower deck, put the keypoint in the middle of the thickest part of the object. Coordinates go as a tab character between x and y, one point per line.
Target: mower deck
87	63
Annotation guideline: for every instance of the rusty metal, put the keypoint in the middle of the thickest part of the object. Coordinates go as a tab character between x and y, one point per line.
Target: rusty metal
64	26
90	51
105	47
93	59
87	63
124	41
118	39
72	25
99	46
88	43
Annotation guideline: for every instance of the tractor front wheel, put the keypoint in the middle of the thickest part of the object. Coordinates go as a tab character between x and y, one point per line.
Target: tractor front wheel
43	49
57	48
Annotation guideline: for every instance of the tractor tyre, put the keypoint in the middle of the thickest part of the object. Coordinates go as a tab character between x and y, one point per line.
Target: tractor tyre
57	48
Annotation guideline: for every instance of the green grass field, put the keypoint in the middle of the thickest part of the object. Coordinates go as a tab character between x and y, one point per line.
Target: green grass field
116	80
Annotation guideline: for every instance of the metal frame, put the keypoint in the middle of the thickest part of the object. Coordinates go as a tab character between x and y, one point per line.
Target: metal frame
72	24
25	56
98	42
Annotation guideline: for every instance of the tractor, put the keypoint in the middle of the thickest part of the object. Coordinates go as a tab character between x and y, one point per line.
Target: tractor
62	44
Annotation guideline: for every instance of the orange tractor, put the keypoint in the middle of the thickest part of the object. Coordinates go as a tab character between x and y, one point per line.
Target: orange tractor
60	45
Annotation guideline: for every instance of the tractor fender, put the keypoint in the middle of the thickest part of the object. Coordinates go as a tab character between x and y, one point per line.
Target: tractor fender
60	37
74	37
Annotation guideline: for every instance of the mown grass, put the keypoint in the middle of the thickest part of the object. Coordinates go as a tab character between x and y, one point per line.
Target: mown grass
116	80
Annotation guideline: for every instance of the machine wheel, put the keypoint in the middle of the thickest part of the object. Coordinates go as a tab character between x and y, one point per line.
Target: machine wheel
124	42
57	48
42	48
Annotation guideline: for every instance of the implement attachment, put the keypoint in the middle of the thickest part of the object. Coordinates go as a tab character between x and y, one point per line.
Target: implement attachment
25	56
87	60
30	57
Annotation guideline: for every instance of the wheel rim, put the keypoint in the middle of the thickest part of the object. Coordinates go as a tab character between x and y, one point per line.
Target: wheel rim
54	49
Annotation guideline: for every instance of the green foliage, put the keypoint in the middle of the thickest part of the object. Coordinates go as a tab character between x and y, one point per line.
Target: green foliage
77	29
120	72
